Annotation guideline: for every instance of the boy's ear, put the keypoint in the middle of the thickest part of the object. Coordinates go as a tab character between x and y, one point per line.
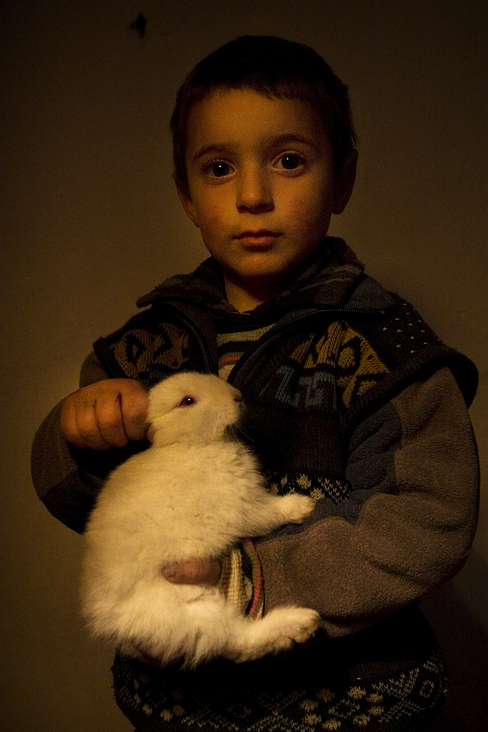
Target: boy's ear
186	200
345	183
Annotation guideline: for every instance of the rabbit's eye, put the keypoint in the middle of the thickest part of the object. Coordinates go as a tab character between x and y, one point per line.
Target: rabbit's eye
187	401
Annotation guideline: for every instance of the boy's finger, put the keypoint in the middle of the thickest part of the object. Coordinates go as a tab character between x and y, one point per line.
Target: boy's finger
193	572
88	432
105	414
110	423
68	420
78	423
133	405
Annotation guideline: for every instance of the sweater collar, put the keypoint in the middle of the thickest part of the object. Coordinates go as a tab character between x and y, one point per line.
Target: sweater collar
327	279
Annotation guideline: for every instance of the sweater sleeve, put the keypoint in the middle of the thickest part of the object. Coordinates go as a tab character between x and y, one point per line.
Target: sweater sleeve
413	470
68	479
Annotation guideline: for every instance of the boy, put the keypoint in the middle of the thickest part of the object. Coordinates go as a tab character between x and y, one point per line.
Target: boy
351	398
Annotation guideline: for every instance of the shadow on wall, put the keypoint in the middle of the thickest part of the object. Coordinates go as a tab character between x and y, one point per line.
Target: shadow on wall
464	642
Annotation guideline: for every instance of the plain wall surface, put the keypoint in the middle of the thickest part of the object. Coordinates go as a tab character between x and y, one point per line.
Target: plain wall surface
91	221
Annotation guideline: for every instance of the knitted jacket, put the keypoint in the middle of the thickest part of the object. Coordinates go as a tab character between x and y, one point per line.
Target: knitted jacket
350	398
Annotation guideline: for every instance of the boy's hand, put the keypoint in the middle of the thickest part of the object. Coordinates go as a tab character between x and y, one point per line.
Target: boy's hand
106	414
193	572
204	572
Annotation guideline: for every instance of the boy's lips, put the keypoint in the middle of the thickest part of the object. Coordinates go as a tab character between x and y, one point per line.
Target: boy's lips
260	238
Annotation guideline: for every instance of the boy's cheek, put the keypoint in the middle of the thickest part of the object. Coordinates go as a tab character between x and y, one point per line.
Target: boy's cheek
213	226
309	218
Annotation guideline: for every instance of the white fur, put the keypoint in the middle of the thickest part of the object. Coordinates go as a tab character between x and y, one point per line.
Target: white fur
192	494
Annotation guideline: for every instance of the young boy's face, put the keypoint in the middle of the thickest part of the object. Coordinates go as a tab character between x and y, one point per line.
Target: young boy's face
261	188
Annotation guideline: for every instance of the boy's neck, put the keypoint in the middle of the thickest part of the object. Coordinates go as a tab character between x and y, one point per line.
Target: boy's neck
247	296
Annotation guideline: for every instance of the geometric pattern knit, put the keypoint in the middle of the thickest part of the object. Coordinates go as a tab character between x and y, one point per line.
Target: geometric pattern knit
186	702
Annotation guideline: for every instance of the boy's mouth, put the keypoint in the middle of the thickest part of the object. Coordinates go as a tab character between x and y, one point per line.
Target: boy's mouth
262	237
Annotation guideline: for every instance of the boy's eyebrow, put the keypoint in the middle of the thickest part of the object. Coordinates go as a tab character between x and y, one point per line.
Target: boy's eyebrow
212	149
290	137
285	139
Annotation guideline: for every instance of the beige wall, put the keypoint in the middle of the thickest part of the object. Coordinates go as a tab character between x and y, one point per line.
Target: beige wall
91	221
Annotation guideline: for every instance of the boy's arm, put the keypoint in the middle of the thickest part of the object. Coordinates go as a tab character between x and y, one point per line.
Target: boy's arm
66	476
413	467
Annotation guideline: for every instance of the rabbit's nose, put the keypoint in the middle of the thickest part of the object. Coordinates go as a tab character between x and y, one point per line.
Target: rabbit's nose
237	395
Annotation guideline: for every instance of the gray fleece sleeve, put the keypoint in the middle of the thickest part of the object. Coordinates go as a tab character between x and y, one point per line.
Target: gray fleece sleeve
413	510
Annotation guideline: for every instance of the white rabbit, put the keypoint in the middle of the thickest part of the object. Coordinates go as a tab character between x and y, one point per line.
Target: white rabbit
191	494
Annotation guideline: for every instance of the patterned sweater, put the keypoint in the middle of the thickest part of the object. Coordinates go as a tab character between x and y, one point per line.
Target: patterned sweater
350	398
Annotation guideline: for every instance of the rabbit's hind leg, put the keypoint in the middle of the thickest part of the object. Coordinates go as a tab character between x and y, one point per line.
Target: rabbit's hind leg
276	632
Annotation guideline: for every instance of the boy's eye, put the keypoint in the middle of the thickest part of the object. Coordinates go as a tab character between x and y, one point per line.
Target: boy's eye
290	161
218	169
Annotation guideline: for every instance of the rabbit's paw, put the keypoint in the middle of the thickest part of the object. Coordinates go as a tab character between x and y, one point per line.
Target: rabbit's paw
296	507
276	632
295	624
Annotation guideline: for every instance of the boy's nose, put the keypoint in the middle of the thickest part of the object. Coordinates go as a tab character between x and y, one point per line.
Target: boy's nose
254	192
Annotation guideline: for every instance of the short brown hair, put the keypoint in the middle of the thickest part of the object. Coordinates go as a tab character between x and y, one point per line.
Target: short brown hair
276	68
